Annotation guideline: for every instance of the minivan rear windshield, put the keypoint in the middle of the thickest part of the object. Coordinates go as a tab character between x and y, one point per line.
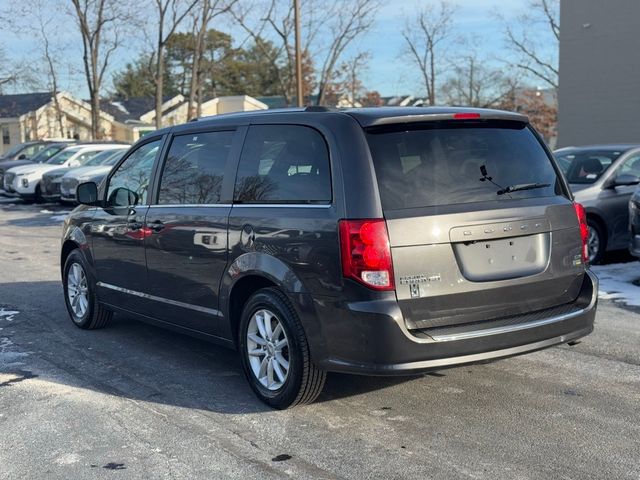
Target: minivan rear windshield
445	163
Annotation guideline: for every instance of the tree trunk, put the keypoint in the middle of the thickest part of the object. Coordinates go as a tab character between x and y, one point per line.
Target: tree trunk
96	133
159	85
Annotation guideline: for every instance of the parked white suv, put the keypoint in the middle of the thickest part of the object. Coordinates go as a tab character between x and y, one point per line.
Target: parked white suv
25	181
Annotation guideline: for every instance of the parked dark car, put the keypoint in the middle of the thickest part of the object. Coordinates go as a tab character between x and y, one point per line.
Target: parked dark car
382	241
634	223
602	178
41	157
51	185
26	150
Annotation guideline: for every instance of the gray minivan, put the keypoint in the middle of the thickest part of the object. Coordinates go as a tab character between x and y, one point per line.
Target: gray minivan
381	241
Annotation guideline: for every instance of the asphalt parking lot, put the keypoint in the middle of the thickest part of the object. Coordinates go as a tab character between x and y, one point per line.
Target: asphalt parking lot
133	401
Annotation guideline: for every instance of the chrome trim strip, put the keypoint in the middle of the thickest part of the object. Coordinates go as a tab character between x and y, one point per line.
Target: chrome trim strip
243	205
280	205
523	326
191	205
197	308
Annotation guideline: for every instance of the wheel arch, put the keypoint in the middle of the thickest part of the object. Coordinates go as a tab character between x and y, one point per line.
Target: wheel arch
596	217
249	273
72	239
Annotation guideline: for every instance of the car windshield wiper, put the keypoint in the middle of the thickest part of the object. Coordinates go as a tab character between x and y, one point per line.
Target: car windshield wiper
522	186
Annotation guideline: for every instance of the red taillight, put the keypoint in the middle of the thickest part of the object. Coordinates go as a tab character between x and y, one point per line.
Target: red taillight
584	231
465	116
365	251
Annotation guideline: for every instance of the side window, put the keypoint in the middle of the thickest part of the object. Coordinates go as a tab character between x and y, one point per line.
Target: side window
194	168
283	164
631	166
129	185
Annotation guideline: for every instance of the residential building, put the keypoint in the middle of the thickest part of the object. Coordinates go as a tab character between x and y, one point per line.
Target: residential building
40	115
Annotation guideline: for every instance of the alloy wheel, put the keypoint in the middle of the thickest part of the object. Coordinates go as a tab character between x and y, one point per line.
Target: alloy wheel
77	290
268	349
593	244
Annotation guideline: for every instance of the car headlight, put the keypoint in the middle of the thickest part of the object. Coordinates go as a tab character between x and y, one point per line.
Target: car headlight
25	182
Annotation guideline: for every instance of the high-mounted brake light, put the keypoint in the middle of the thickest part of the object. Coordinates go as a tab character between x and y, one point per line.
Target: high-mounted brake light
584	231
465	116
366	254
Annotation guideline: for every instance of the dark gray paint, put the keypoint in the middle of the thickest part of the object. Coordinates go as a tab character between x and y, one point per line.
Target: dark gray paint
296	247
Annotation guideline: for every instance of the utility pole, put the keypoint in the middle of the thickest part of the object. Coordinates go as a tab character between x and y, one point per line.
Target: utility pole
296	6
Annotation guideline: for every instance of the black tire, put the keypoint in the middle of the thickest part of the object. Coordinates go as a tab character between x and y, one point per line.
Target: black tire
304	380
96	315
38	195
602	242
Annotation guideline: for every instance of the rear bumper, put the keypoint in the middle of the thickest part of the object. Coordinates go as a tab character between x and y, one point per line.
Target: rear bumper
371	337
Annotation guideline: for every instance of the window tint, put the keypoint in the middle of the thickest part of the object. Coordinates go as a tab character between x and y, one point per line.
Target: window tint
283	164
47	153
585	166
421	166
63	156
129	185
631	166
195	167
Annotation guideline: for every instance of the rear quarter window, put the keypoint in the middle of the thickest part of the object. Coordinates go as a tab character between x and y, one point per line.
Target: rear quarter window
428	165
283	164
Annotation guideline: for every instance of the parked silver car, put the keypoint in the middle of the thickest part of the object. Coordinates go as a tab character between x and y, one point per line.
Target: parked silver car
93	171
603	178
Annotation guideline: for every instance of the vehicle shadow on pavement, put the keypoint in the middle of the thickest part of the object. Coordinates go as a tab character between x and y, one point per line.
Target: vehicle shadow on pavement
133	359
48	215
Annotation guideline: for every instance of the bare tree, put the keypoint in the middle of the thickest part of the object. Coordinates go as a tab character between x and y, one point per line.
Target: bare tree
98	21
171	14
8	75
426	33
475	83
209	9
328	28
350	19
272	33
537	55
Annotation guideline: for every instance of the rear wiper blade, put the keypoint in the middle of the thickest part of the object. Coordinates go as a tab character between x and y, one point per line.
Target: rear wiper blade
522	186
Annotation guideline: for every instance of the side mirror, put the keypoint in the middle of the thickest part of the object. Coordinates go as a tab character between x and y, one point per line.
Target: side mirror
626	179
87	193
22	156
123	197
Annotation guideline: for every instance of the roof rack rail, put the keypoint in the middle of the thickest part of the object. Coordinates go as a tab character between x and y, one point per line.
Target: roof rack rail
320	108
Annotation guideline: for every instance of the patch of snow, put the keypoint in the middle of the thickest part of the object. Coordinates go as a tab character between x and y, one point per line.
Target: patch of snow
46	211
8	355
7	314
59	218
120	107
616	282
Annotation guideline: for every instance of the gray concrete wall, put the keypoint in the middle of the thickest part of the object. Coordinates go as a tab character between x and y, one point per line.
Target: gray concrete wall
599	93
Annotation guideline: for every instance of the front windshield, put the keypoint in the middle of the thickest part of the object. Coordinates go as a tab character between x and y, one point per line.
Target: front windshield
100	158
585	166
15	149
114	159
46	154
61	157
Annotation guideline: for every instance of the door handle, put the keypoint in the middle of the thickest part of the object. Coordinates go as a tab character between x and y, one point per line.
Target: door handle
156	226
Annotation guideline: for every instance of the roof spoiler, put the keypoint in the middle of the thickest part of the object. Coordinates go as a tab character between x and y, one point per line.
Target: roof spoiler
435	117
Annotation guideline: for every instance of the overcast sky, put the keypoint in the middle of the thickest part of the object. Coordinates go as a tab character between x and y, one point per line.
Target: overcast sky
390	72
